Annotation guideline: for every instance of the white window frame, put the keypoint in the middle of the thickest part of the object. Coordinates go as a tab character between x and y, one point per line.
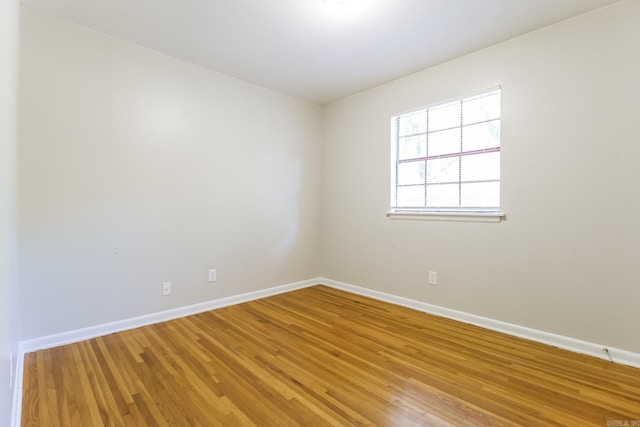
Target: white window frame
445	213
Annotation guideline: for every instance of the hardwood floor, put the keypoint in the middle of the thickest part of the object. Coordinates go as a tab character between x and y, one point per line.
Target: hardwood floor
322	357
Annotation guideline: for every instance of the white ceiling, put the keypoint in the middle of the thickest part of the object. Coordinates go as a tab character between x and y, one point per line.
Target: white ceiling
316	50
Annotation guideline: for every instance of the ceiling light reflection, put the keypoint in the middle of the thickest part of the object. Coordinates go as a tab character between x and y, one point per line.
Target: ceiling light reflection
347	11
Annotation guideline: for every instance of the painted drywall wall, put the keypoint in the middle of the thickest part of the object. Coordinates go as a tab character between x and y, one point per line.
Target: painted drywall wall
138	168
9	304
565	260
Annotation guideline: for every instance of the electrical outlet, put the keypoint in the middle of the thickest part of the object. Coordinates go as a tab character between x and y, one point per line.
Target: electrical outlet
433	277
166	288
213	276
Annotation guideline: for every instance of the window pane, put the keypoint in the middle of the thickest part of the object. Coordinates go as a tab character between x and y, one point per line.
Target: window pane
482	135
411	197
443	170
439	196
481	167
444	142
481	108
413	123
443	134
411	173
412	146
481	195
445	116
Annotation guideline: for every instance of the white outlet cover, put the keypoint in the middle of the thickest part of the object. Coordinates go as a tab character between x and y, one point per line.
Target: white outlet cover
166	288
433	278
213	276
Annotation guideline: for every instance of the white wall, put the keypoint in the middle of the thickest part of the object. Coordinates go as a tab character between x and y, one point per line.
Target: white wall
9	304
137	168
566	259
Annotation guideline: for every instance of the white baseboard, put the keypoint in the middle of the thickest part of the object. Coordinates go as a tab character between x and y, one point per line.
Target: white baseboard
592	349
78	335
623	357
618	355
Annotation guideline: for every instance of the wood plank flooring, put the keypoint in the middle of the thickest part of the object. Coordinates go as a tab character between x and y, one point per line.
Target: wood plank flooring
322	357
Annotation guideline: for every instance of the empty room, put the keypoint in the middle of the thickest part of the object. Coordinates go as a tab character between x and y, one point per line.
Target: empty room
319	213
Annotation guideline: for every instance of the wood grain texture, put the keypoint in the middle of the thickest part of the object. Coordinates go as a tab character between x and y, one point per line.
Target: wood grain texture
322	357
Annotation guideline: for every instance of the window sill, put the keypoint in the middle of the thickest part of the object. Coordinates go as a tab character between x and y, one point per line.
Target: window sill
448	216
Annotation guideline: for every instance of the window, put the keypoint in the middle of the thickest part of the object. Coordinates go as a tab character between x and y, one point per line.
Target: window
446	158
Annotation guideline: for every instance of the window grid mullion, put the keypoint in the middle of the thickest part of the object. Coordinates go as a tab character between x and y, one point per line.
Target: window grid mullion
397	157
460	157
426	194
410	135
433	184
444	156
